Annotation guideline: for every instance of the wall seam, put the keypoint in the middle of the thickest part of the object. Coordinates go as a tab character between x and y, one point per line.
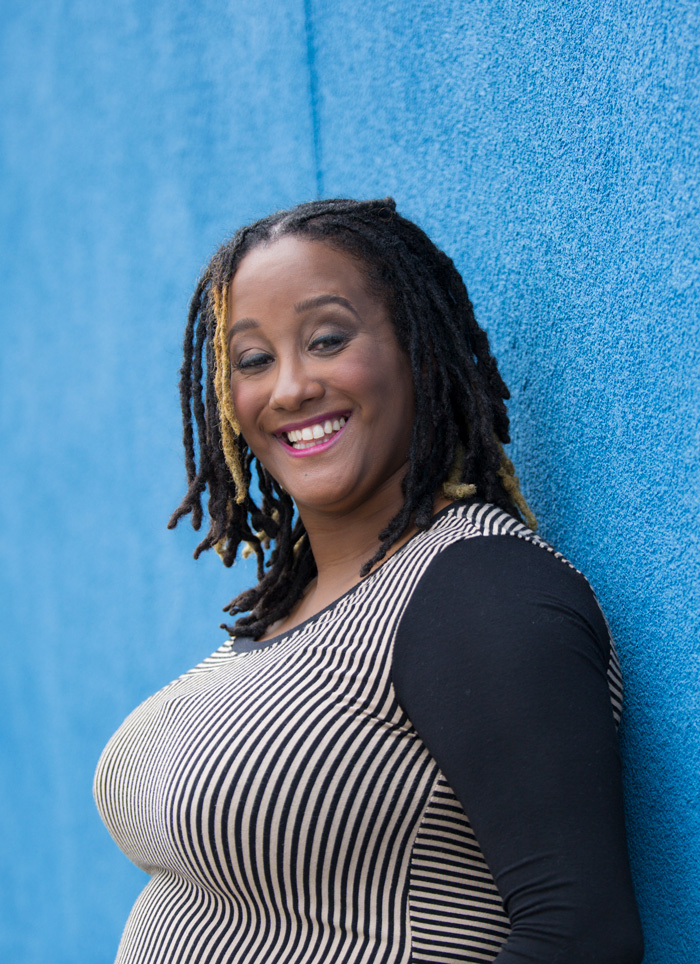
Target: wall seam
313	95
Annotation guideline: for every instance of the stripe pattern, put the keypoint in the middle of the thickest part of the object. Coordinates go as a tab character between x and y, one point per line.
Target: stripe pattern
286	809
452	887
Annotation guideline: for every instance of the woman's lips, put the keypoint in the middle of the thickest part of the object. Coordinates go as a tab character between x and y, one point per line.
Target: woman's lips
313	437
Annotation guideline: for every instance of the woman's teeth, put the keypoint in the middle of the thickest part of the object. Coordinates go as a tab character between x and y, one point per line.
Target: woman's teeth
310	435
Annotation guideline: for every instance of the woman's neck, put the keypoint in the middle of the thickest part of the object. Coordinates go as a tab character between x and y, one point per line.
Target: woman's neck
343	540
341	544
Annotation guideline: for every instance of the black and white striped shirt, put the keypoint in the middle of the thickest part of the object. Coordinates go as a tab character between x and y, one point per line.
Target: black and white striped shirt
314	798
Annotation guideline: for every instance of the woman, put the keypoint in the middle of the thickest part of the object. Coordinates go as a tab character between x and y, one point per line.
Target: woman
406	750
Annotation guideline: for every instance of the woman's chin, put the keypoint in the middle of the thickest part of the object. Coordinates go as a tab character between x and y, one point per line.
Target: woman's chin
326	499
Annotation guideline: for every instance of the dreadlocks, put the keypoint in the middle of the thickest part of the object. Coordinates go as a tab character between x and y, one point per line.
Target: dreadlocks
453	370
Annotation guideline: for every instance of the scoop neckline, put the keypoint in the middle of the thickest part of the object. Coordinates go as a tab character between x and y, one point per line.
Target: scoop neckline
273	640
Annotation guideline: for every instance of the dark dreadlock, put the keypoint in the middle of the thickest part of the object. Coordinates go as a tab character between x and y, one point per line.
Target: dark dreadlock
453	372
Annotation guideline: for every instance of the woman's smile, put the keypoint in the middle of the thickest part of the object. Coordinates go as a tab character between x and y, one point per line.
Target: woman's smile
314	435
320	386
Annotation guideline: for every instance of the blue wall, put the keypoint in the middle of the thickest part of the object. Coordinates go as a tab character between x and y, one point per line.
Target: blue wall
550	147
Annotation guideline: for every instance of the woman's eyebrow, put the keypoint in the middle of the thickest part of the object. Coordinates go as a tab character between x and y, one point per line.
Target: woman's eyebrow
243	324
319	300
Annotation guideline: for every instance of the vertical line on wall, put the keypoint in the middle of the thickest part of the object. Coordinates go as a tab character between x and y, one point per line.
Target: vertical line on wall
313	95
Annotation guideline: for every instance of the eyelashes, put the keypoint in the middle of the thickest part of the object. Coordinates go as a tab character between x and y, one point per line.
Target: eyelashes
330	342
325	344
251	362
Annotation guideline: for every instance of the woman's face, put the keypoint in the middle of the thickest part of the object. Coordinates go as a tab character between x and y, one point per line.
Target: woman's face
323	393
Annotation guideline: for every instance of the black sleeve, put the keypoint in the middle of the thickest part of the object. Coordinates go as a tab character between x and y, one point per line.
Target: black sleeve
501	664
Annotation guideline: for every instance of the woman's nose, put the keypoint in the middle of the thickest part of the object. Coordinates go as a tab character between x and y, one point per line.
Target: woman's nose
295	383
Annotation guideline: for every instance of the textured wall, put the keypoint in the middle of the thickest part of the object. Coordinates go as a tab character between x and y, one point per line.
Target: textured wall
550	147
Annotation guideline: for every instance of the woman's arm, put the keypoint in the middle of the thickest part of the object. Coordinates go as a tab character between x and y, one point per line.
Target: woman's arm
501	665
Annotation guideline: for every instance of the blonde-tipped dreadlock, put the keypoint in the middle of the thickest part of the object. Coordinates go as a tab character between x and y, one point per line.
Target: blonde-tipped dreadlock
460	418
230	427
454	487
511	483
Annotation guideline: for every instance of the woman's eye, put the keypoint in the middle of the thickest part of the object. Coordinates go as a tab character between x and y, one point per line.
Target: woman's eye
252	361
329	342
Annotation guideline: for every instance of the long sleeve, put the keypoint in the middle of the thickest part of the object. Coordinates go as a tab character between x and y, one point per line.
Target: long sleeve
500	663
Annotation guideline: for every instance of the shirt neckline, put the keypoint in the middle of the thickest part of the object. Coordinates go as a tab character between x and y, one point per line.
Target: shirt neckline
251	645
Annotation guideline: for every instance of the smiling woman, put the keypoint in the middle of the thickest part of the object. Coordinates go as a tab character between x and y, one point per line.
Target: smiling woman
406	750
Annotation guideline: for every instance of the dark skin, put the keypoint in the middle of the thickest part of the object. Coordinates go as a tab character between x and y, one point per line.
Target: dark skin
312	346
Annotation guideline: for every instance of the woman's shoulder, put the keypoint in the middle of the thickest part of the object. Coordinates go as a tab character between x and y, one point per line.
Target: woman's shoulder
492	574
469	520
498	603
486	544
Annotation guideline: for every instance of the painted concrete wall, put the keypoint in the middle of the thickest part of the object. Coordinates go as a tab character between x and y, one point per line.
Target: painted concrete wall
550	147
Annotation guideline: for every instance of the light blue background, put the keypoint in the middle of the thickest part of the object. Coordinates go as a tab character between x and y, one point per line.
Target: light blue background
551	148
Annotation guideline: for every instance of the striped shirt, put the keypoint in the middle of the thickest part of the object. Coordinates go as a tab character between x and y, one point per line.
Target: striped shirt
288	807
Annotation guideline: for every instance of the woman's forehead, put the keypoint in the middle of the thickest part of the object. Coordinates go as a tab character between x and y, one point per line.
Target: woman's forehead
291	267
